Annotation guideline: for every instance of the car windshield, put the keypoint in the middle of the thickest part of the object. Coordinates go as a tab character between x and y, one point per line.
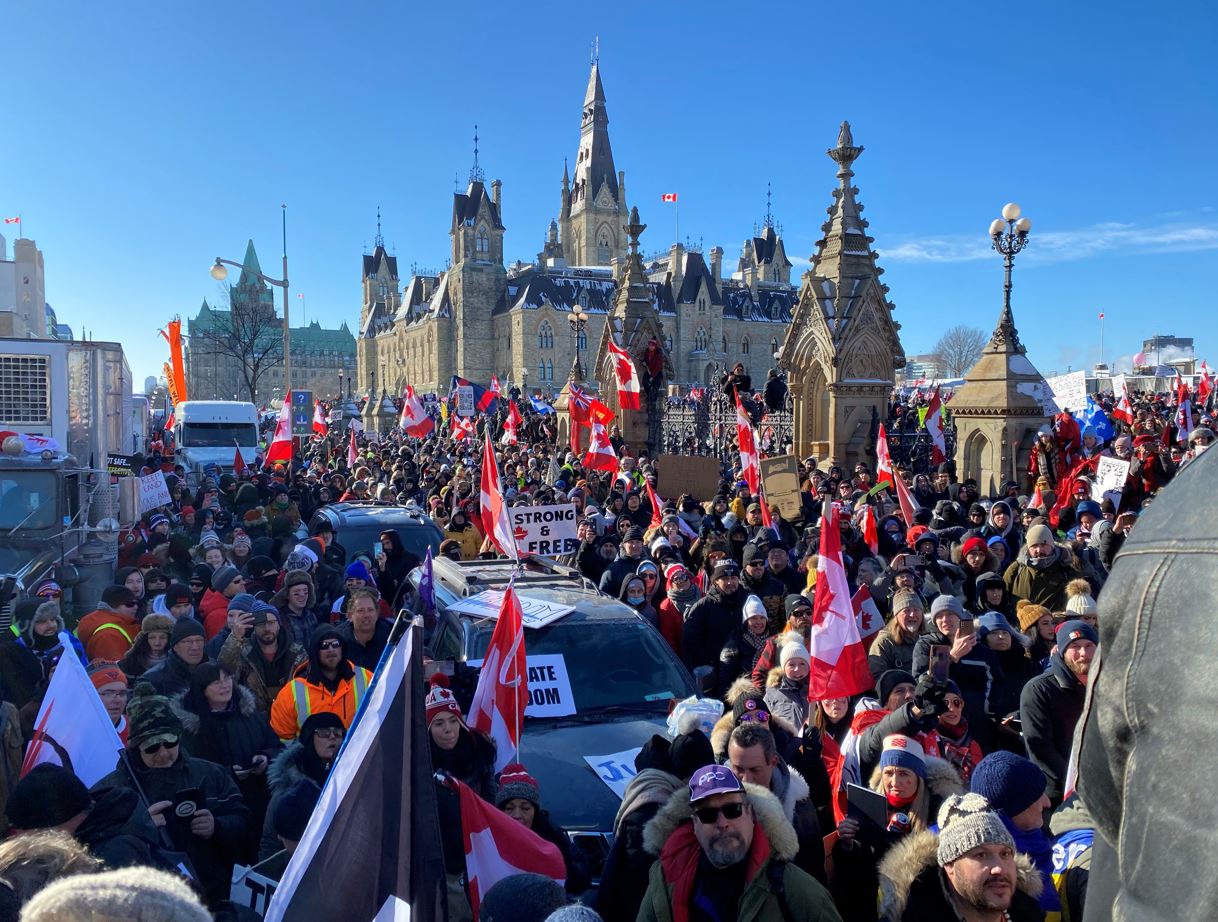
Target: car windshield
27	499
610	663
361	538
218	435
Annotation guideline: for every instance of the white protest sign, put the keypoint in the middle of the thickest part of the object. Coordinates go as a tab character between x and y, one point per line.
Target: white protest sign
535	613
153	491
615	769
1069	391
465	400
1110	476
547	531
549	687
251	889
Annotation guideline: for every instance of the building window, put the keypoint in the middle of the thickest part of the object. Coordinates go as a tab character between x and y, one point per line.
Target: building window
545	336
701	305
773	347
744	346
668	343
541	372
581	341
384	286
483	242
723	345
700	340
549	371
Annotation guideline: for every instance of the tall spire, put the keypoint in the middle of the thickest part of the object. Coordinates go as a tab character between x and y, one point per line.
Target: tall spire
379	241
845	250
475	172
769	214
250	268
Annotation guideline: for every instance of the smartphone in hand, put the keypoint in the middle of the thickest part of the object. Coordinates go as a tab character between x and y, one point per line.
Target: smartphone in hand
940	663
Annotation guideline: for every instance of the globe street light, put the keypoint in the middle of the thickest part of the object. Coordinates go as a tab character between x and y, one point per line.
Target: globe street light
1009	235
578	318
220	273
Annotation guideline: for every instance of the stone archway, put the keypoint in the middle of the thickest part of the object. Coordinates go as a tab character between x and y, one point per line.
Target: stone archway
811	414
975	456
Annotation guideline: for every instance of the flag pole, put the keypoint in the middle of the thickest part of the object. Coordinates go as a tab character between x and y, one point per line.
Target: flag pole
1102	337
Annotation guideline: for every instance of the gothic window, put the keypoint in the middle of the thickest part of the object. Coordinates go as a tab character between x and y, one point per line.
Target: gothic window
775	310
723	348
541	372
384	290
668	342
545	336
700	339
581	341
484	242
744	346
549	371
583	298
701	305
773	346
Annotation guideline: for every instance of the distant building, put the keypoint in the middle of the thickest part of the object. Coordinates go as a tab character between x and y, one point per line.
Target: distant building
23	301
224	346
920	368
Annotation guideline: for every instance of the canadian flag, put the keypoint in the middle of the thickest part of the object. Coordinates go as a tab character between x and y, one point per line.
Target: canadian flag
240	468
909	505
1123	411
497	846
868	614
750	466
668	197
1205	384
883	459
1184	409
352	454
463	428
169	422
934	425
512	426
320	426
414	420
627	377
839	659
600	456
871	534
1038	500
12	220
492	511
503	683
281	443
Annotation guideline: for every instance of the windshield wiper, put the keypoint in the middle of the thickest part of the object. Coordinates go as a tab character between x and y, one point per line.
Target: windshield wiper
592	715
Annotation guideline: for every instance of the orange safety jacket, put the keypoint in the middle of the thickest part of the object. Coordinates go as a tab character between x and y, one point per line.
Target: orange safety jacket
300	698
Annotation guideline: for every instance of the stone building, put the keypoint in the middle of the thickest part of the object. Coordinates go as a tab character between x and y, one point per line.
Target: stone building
220	340
481	316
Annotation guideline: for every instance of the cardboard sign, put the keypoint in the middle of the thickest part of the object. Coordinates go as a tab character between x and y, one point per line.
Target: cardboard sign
696	475
615	769
780	477
251	889
1110	476
547	531
549	687
465	400
119	465
153	491
302	413
534	612
1069	391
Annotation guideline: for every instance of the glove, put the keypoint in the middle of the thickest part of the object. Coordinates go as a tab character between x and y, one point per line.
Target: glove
929	696
811	742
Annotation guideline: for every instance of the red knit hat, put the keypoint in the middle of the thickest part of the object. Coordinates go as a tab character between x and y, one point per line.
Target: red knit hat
440	699
516	782
973	544
104	673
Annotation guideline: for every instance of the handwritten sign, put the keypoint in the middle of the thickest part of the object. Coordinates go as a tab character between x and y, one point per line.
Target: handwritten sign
780	476
153	491
535	613
251	889
547	531
1110	476
693	474
1069	391
549	687
615	769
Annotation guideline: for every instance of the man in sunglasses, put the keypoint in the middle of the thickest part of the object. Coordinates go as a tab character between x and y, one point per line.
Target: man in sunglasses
725	851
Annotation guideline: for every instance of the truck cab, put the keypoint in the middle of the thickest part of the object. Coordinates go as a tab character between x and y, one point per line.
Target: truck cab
207	432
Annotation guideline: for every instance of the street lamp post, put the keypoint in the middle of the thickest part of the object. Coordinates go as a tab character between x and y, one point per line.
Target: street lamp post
578	319
1009	235
219	273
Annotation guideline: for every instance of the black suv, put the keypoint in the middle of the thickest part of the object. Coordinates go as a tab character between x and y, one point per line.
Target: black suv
358	526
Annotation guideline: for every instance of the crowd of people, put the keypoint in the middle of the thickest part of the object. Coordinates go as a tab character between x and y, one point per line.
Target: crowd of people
239	638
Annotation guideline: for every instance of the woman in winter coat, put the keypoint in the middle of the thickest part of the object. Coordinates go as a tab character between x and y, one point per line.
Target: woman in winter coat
680	595
308	757
221	723
787	685
634	594
133	579
976	560
951	740
893	647
1038	628
519	796
992	595
914	786
744	645
469	756
460	530
1009	647
151	645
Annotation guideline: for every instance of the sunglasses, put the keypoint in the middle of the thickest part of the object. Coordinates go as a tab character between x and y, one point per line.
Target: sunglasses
754	716
329	733
330	645
708	816
157	747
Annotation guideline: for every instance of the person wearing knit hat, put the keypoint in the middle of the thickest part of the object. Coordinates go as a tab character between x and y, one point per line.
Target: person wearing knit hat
1041	570
138	894
630	554
575	912
745	644
893	647
521	898
291	814
786	691
226	582
519	796
186	651
1052	703
1080	603
894	688
177	600
297	603
151	645
112	687
330	683
48	795
46	636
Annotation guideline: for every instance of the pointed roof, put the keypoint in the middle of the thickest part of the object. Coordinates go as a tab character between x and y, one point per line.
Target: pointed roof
250	268
466	206
594	164
1003	382
596	92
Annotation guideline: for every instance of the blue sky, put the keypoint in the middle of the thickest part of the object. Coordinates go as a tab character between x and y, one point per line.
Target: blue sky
142	140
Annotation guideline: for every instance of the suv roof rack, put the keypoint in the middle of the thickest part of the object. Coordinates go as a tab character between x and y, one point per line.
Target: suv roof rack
469	577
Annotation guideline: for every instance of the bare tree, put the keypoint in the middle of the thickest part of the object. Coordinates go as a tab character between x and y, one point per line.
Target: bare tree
958	350
240	344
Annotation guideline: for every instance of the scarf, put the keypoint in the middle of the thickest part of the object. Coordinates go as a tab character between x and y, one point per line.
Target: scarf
756	641
682	599
1039	847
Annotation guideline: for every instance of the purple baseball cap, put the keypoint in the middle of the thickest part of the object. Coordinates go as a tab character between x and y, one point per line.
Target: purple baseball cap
711	780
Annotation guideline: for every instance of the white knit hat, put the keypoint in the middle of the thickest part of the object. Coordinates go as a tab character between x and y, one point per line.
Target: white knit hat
754	608
130	895
1079	600
794	649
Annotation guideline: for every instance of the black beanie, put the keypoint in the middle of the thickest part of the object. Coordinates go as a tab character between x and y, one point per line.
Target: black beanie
889	680
186	627
293	809
522	898
47	796
117	595
690	751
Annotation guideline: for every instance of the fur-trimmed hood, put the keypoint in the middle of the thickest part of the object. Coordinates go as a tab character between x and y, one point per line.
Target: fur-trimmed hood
246	705
285	770
741	688
916	854
767	811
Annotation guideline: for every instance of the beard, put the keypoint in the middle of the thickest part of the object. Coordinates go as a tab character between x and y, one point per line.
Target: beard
986	895
726	849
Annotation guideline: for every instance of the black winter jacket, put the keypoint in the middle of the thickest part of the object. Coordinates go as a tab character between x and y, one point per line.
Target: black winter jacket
708	625
1049	709
171	676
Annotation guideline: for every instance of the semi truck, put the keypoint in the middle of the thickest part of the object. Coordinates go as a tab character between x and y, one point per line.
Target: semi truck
64	406
208	432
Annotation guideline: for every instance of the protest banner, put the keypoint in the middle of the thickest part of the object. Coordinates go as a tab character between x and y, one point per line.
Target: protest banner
534	613
119	465
693	474
1069	391
465	400
153	491
547	531
615	769
1110	477
549	687
251	889
780	476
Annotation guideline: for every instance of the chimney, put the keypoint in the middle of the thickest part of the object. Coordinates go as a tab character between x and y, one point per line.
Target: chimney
496	196
676	267
716	263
